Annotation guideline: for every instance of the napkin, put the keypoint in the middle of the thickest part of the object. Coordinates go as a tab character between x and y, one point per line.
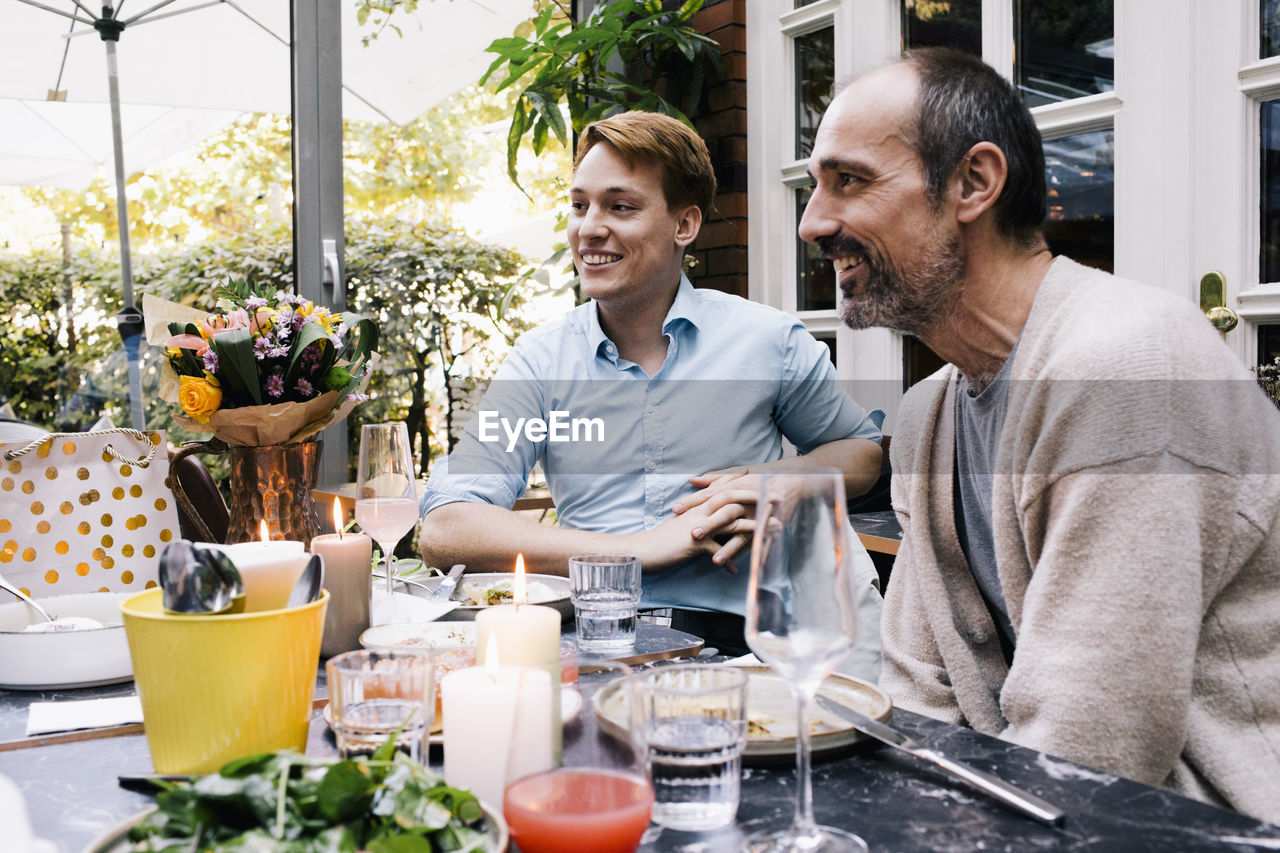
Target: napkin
45	717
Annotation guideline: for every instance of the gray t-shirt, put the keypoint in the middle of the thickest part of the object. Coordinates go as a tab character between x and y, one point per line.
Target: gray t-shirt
979	421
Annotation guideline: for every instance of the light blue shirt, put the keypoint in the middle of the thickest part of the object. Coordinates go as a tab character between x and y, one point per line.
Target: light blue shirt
739	378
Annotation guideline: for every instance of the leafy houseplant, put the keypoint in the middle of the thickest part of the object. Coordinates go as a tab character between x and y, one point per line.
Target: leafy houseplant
558	60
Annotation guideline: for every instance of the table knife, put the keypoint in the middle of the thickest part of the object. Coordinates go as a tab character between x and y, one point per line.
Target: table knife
1028	804
445	589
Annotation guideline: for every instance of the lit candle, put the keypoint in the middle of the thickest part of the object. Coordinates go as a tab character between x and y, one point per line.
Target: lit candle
268	568
348	560
497	725
527	634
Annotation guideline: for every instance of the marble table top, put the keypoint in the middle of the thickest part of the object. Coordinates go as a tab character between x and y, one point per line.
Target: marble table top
894	801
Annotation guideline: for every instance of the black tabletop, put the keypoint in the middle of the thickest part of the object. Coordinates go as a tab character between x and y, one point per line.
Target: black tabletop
894	801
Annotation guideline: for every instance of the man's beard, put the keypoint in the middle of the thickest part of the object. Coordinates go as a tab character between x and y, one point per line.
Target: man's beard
911	299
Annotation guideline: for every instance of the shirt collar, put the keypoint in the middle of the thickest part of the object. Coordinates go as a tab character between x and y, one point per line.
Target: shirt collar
684	308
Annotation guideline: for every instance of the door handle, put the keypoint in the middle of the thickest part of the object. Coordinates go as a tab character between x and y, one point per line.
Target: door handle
1213	302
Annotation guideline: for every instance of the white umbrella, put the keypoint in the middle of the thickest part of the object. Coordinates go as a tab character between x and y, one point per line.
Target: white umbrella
221	54
59	144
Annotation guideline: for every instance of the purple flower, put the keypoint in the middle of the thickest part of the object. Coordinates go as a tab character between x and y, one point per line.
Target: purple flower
210	360
253	302
336	340
304	388
298	321
357	397
291	299
260	347
275	385
278	352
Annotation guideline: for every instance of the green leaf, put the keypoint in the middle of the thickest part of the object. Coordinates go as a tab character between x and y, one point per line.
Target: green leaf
345	791
237	369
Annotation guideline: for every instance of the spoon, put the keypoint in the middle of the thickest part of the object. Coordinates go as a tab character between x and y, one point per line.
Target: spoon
51	622
197	580
307	587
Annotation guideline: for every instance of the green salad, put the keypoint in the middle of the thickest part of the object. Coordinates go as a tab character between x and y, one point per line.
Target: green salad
286	802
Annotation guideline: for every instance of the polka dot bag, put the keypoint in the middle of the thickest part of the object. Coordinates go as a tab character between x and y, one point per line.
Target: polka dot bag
85	512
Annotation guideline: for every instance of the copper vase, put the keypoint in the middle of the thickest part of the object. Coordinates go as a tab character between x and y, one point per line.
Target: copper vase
274	484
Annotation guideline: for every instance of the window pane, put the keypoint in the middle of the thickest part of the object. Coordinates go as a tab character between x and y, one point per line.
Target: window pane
828	340
815	277
918	361
815	75
1269	26
1065	49
929	23
1270	266
800	3
1268	343
1080	174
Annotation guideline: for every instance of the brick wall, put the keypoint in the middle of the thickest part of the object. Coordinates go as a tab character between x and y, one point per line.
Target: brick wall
721	248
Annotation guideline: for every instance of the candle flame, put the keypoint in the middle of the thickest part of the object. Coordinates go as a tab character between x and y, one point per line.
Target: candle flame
337	517
519	588
262	530
491	654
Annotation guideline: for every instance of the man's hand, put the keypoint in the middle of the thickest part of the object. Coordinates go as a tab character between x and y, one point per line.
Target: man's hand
695	532
727	496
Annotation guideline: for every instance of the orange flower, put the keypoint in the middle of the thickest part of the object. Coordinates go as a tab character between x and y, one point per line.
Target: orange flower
199	396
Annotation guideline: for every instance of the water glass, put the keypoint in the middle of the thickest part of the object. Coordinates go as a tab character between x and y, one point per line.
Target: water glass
605	592
376	693
692	720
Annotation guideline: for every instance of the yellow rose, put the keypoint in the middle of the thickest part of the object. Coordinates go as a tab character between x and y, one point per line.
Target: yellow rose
199	396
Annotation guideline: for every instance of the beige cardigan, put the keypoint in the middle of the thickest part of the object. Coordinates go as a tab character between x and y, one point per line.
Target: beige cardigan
1136	505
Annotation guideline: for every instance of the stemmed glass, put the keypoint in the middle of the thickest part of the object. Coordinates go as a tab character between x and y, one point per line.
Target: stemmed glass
802	619
386	489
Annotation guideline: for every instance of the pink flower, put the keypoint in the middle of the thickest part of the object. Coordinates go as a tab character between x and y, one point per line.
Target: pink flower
191	342
236	319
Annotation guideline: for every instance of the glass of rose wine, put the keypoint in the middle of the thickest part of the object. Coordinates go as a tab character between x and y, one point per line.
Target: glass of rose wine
598	801
386	489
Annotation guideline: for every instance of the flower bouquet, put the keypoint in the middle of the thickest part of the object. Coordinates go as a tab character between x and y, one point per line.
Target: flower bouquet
263	375
271	368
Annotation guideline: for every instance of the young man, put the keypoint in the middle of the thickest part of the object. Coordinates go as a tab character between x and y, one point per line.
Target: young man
1089	491
653	384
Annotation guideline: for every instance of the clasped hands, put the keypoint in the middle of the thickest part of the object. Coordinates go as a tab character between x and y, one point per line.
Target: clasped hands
718	519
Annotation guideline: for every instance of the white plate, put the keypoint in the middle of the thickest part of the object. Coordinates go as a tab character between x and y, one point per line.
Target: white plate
559	587
64	659
771	713
432	635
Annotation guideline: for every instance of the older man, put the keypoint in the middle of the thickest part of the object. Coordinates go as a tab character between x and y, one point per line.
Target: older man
652	384
1089	491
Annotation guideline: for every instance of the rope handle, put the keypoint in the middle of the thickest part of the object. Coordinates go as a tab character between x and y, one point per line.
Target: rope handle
141	461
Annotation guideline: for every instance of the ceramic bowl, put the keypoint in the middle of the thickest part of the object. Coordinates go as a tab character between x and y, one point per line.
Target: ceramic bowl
64	659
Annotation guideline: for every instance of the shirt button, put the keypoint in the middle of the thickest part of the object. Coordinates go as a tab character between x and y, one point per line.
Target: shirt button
980	637
650	521
651	409
650	465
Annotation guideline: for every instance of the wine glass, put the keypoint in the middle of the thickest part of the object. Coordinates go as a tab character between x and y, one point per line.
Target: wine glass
386	489
802	619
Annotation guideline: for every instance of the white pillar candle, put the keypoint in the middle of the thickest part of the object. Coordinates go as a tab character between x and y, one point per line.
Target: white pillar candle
269	570
497	722
348	560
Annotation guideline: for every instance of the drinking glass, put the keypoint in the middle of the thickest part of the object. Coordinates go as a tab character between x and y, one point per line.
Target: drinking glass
598	801
386	489
377	693
802	619
605	589
693	722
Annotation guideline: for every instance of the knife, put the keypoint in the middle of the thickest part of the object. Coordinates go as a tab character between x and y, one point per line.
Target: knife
445	589
1028	804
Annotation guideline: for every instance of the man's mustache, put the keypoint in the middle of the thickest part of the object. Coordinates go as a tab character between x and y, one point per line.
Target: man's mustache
842	246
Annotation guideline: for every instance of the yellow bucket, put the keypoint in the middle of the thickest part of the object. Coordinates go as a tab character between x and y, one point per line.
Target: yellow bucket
215	688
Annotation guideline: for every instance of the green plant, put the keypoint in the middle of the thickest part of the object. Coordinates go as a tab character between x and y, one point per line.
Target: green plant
627	55
1269	379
